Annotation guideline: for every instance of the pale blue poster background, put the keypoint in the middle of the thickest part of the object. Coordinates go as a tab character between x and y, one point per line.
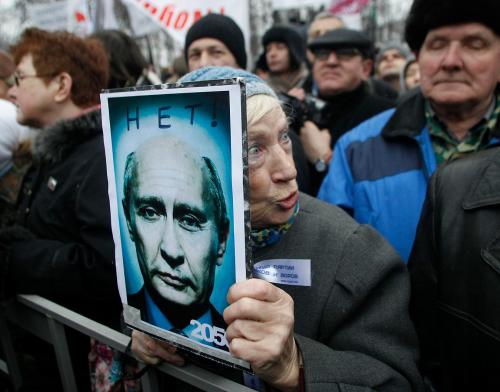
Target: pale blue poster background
200	119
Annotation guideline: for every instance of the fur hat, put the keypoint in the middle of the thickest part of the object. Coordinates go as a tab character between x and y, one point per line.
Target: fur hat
253	84
222	28
426	15
293	40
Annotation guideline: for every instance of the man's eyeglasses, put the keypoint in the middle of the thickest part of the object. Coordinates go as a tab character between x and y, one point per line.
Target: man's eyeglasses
342	54
18	77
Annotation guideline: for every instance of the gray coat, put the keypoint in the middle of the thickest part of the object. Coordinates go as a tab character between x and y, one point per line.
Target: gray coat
352	324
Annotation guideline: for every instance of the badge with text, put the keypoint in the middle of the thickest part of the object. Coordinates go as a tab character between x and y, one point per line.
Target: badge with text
176	169
295	272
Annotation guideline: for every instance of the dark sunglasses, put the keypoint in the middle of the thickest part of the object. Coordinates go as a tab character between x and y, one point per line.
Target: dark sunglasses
341	53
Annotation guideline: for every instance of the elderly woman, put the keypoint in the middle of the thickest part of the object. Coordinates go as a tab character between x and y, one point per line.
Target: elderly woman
350	329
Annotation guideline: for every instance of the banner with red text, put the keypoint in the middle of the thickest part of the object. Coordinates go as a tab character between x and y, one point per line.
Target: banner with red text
176	16
347	7
349	11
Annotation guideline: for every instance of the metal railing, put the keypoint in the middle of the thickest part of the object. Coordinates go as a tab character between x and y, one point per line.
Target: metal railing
48	320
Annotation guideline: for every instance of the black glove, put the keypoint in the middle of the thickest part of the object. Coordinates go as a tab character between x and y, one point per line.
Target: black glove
8	236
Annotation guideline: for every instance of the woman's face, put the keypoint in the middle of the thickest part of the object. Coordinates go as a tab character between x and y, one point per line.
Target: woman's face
273	188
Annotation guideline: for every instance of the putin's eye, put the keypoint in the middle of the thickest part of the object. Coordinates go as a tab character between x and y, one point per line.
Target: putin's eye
148	213
190	222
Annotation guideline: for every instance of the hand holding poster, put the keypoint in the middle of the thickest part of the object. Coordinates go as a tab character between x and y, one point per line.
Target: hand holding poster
175	172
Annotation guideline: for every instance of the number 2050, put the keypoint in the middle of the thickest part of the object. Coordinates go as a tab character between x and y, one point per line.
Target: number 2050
208	333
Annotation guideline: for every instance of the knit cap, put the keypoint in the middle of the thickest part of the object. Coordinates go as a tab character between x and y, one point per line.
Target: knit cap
253	84
222	28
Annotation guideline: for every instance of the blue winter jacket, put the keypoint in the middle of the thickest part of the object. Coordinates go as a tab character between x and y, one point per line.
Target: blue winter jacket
380	169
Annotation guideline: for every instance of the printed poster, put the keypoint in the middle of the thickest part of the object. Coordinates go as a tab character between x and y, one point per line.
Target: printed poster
177	187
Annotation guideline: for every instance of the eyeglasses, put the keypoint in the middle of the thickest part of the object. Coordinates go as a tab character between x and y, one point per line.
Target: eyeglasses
342	54
18	77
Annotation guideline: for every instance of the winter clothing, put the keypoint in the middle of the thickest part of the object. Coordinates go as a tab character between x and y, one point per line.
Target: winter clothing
63	203
343	112
222	28
455	273
380	169
426	15
293	79
293	40
354	315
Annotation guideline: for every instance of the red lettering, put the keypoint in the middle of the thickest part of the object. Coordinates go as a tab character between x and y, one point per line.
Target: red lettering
197	15
169	12
181	20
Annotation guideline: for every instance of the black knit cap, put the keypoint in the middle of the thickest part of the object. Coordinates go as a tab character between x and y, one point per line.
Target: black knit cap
291	38
222	28
344	38
426	15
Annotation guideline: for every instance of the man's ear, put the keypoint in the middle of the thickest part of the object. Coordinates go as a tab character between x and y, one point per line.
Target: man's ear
223	237
367	68
127	218
64	83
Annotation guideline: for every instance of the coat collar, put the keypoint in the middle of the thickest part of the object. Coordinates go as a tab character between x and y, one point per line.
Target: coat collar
485	190
409	117
54	143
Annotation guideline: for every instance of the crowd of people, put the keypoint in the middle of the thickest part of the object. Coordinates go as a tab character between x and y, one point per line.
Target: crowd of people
379	166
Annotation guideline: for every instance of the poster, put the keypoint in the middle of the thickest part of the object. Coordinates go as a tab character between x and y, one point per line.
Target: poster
179	210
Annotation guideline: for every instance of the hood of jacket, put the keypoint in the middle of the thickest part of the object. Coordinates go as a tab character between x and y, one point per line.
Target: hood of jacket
55	142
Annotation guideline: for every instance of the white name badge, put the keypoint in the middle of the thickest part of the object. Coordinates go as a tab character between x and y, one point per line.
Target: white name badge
295	272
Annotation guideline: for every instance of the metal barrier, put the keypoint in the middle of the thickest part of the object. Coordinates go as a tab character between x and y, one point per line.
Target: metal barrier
47	320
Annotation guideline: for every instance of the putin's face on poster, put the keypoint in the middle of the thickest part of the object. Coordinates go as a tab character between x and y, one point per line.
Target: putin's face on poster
176	216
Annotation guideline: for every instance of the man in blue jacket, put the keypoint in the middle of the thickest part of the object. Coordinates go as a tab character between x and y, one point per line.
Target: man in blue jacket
380	169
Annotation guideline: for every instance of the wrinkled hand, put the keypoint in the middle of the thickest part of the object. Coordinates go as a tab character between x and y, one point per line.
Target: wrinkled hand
260	330
316	142
152	351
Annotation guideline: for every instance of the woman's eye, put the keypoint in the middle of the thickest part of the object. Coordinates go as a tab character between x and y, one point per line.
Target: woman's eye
285	137
253	150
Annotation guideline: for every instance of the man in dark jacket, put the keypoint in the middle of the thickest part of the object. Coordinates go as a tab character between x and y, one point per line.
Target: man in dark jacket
342	63
62	246
455	272
380	169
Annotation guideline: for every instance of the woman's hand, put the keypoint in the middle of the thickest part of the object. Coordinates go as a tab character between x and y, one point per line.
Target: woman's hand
152	351
260	330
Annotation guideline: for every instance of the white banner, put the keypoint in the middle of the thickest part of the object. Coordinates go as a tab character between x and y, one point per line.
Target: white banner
79	21
48	16
177	16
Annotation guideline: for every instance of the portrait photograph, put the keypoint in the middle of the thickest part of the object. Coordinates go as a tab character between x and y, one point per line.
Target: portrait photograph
176	180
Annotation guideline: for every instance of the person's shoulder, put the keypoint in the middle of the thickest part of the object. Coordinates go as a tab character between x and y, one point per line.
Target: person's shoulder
325	216
364	255
466	174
